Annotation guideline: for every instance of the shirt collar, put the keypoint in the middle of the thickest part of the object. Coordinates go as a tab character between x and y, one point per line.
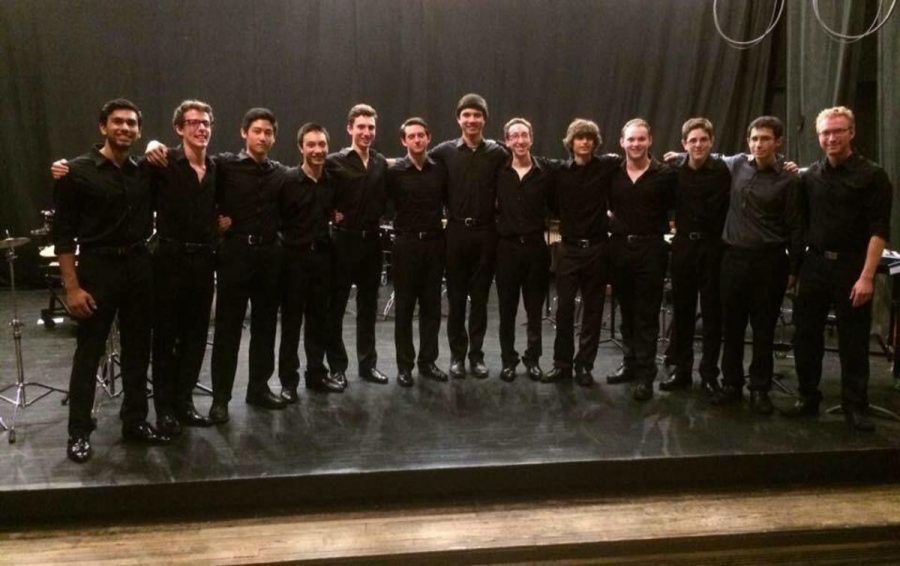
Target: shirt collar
406	163
100	159
461	143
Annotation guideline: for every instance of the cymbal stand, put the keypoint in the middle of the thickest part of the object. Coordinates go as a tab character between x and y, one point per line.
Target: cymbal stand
20	399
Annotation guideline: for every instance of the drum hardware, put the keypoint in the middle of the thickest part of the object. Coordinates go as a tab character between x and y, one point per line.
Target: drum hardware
20	400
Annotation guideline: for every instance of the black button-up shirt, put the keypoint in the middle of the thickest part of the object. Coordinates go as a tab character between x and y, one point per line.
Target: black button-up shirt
843	207
248	193
701	200
522	204
418	195
471	177
642	207
186	207
360	193
101	205
306	206
582	197
762	209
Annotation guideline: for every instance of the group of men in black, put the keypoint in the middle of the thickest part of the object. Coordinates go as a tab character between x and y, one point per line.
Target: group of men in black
297	239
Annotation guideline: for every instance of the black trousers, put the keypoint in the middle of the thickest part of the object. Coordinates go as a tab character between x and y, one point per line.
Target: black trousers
305	295
471	254
183	287
753	284
417	267
357	261
696	269
639	270
585	270
825	283
523	268
245	273
123	286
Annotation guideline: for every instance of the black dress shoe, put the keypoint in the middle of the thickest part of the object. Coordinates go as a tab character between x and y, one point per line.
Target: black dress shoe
431	371
191	417
508	373
675	382
710	388
621	375
556	375
289	394
168	425
78	449
326	383
729	394
642	391
405	378
760	403
478	368
583	376
265	399
218	414
858	420
374	376
457	369
338	377
803	407
143	433
534	371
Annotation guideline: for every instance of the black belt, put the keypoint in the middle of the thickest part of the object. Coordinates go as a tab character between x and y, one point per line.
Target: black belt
421	235
252	239
833	255
582	242
695	235
369	234
468	222
523	239
186	247
305	248
126	250
634	238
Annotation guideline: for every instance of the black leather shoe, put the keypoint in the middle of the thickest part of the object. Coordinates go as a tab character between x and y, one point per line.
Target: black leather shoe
556	375
858	420
405	378
534	371
191	417
265	399
326	383
583	376
760	403
803	407
143	433
431	371
508	373
374	376
729	394
621	375
168	425
478	368
675	382
457	369
338	377
289	394
218	414
710	388
642	392
78	449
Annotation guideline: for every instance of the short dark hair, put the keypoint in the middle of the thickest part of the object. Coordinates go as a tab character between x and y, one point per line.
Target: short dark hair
770	122
181	110
119	104
311	127
582	128
694	123
360	110
473	101
255	114
414	121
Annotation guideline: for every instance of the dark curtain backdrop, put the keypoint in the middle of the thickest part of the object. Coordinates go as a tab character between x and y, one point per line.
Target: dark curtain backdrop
889	113
549	61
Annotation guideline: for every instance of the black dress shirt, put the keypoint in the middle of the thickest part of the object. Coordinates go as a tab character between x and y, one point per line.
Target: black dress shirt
642	207
582	197
185	206
843	207
701	200
360	193
418	195
306	206
471	177
101	205
522	204
249	193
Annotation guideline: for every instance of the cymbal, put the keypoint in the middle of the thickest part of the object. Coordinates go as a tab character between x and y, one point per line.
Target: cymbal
10	243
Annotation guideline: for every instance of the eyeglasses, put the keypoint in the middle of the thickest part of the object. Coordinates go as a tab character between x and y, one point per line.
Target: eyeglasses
197	123
834	132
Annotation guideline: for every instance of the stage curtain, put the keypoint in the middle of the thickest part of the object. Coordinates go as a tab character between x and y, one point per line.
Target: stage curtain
889	114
